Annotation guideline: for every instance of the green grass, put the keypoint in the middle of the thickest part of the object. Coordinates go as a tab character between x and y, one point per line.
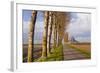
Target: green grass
88	54
55	55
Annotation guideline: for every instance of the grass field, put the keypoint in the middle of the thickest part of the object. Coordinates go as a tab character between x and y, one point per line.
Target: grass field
82	47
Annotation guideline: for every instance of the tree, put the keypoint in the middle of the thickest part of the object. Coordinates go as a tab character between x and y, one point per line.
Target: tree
54	29
49	33
45	33
31	36
61	25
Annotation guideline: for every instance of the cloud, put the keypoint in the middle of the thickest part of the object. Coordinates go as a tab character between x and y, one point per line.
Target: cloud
25	25
38	25
80	25
38	31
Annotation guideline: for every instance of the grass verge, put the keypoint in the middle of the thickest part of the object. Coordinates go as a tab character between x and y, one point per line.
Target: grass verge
55	55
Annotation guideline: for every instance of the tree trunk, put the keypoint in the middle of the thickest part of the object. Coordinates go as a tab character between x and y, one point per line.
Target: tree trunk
54	31
31	36
56	35
49	33
59	41
45	33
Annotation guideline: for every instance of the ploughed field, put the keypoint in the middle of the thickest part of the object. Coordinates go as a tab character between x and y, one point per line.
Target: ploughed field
83	46
71	51
37	51
77	51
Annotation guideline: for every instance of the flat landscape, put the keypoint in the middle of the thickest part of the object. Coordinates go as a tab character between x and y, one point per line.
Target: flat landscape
75	51
83	46
37	51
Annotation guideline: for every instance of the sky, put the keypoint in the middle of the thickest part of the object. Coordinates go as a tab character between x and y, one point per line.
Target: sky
38	26
79	26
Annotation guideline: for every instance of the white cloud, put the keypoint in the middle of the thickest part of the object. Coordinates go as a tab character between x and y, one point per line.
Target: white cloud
25	25
38	28
80	25
38	25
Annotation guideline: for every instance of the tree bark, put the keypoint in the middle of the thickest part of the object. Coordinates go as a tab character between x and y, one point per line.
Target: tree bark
56	35
45	33
31	36
54	31
49	33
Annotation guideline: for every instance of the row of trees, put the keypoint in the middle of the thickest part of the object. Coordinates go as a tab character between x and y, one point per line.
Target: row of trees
54	27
